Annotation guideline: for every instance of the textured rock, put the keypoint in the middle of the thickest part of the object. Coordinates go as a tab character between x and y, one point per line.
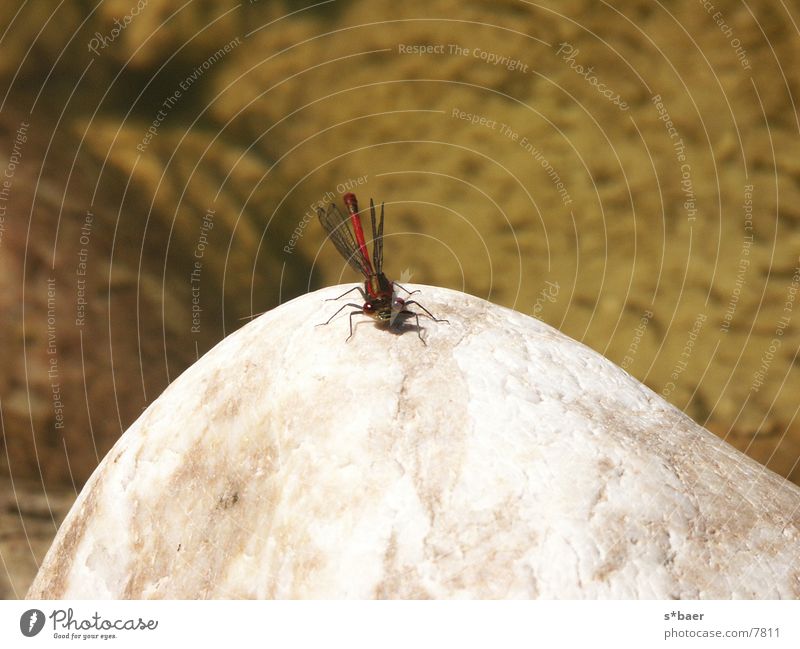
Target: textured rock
503	459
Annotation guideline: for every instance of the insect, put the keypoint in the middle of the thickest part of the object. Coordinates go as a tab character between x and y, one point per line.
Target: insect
381	302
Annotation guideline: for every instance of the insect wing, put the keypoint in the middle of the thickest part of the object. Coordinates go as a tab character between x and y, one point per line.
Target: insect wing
338	229
377	238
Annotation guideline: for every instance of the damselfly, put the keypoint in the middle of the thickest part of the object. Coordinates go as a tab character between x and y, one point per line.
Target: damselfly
381	302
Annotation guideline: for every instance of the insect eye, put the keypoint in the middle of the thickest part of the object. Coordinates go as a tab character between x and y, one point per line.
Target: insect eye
368	308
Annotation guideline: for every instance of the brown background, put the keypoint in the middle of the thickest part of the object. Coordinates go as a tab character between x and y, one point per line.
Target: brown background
309	98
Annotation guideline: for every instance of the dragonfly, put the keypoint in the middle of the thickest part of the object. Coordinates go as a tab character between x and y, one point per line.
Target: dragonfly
381	302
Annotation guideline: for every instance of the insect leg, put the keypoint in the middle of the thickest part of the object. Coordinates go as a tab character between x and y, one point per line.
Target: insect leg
355	288
407	314
405	289
339	310
428	313
352	313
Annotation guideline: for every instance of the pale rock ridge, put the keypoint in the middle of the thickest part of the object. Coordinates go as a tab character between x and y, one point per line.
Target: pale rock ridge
501	460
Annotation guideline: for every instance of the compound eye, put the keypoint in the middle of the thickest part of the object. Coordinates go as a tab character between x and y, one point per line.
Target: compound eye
398	304
369	308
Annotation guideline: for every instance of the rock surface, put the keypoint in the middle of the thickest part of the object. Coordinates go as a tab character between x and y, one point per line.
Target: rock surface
501	460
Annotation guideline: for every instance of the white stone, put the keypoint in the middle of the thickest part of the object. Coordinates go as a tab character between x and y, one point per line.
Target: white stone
501	460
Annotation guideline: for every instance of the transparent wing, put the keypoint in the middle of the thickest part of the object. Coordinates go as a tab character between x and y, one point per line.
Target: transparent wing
338	228
377	239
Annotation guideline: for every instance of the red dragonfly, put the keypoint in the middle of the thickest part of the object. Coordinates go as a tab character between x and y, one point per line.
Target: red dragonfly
380	300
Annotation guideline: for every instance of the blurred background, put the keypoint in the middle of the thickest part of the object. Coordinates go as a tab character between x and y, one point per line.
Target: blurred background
628	173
